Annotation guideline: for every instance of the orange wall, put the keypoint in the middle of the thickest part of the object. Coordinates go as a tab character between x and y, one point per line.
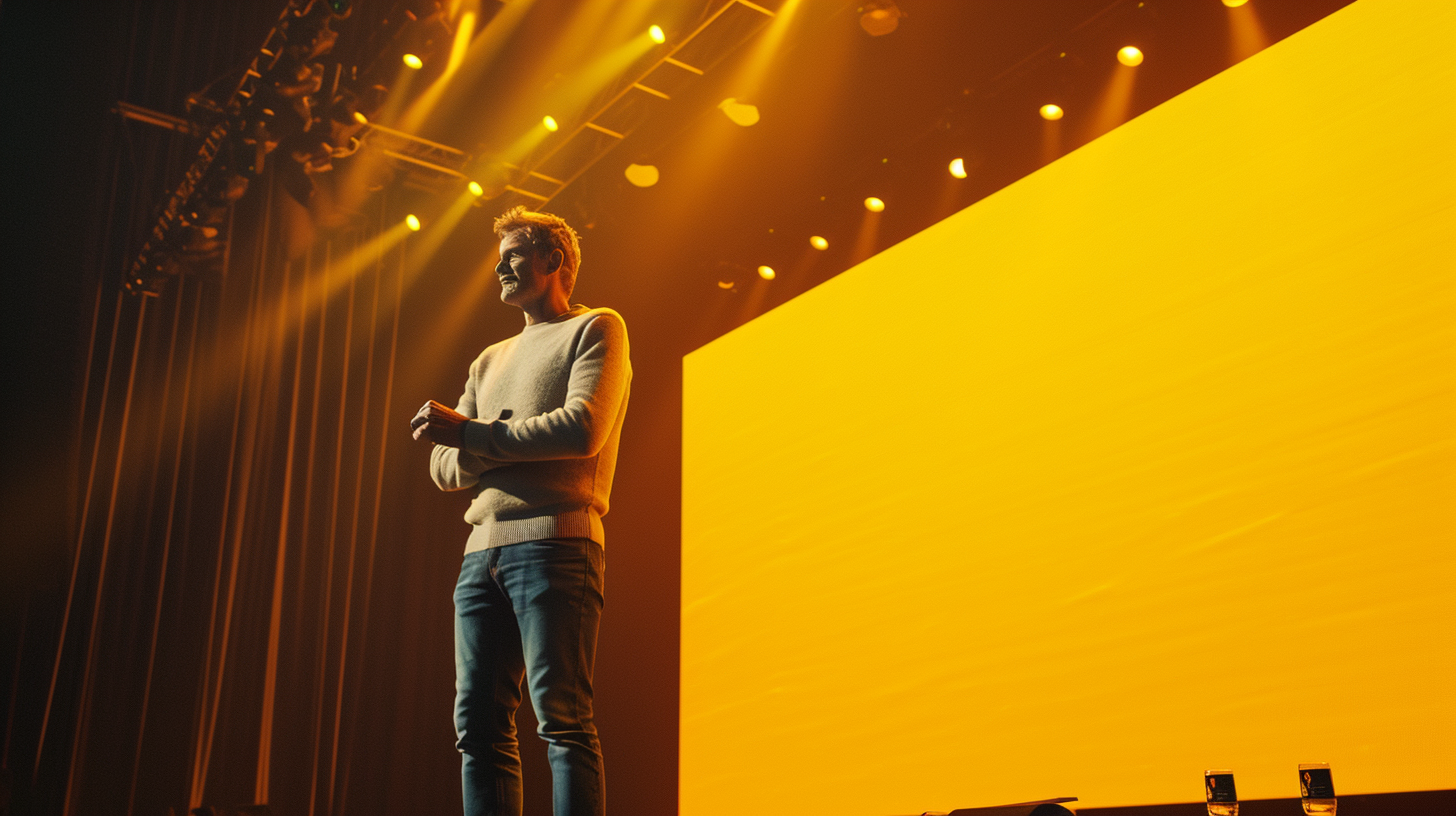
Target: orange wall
1143	465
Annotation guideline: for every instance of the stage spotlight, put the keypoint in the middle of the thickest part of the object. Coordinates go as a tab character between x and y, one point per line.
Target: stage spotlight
413	61
1234	3
361	118
549	123
766	272
412	222
475	189
874	204
657	35
1051	113
741	114
958	168
1130	56
880	17
642	175
819	242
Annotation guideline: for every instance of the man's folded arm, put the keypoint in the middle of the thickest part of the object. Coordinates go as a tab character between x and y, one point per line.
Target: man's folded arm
454	469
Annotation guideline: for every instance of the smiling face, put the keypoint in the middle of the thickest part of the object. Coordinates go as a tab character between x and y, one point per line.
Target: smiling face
526	274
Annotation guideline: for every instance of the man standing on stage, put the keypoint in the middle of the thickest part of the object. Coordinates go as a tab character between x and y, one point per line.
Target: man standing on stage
535	435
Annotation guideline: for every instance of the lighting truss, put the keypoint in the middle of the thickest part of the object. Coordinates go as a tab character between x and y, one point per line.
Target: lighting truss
538	182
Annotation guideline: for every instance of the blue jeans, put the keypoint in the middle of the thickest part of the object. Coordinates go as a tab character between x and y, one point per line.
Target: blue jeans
528	610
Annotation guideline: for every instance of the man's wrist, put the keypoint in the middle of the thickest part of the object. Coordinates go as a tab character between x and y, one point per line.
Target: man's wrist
465	435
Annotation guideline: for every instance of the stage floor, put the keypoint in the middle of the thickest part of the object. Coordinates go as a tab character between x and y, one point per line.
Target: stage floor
1414	803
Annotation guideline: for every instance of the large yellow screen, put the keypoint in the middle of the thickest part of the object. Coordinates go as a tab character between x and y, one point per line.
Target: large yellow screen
1143	465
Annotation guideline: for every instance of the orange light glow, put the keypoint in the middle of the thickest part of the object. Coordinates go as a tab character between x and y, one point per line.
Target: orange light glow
1130	56
1051	113
424	103
657	34
874	204
1246	32
958	168
1113	104
412	222
766	272
475	189
361	118
413	61
1234	3
819	242
550	123
759	63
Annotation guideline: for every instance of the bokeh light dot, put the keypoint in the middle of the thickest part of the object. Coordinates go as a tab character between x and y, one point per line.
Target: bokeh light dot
741	114
642	175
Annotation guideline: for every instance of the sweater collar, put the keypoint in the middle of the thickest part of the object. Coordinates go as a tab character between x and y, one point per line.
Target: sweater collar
576	310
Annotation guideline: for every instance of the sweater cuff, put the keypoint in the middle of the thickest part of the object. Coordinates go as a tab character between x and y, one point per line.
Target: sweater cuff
475	437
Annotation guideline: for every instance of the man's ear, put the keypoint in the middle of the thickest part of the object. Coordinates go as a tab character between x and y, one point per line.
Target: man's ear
556	260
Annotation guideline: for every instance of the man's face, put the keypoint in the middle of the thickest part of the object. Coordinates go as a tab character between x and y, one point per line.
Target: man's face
525	273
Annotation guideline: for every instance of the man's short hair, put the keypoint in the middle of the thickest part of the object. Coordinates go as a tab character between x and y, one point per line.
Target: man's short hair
544	232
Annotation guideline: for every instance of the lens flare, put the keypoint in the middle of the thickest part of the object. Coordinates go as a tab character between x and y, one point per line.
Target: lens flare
412	222
958	168
657	35
874	204
766	272
476	190
413	61
1051	113
361	118
1234	3
550	123
819	242
1130	56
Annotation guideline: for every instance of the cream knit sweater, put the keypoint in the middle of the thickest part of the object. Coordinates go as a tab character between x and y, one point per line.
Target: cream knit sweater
546	409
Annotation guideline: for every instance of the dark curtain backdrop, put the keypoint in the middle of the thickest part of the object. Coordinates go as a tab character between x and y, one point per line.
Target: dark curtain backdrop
227	574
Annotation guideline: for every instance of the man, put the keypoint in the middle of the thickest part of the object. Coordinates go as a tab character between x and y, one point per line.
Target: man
535	435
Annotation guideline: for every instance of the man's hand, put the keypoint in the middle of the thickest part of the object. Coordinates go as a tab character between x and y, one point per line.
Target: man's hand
439	424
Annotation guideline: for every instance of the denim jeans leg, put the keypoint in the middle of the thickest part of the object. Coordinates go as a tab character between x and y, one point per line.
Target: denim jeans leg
488	671
556	589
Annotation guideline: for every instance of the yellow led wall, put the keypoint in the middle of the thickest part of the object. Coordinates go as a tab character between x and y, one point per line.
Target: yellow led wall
1143	465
